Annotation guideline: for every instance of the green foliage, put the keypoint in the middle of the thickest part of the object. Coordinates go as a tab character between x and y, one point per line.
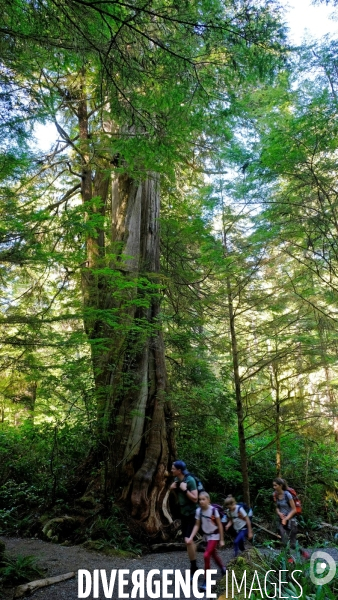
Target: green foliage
37	469
311	471
19	569
309	589
182	90
8	521
112	533
268	568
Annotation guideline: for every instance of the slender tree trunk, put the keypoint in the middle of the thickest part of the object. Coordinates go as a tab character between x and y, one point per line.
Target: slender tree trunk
276	389
306	476
332	403
30	400
330	394
237	379
239	402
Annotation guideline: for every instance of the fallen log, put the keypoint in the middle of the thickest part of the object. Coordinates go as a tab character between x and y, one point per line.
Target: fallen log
330	526
32	586
276	535
167	547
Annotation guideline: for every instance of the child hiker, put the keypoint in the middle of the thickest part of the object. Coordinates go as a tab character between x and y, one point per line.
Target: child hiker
240	521
207	517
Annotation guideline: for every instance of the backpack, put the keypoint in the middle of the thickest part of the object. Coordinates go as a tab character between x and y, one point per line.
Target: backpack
222	514
295	498
245	507
199	484
212	518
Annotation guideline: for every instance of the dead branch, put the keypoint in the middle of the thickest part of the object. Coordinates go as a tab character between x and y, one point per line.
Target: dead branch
276	535
32	586
167	547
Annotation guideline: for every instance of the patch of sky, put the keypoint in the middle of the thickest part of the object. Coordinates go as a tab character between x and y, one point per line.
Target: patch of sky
307	21
44	136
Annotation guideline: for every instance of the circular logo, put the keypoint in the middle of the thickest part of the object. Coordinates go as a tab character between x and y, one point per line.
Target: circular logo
322	562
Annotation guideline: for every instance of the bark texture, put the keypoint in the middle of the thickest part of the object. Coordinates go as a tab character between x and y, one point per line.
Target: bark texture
142	444
122	303
121	295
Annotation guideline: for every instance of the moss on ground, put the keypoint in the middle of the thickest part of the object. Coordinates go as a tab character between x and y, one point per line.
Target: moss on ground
106	548
249	562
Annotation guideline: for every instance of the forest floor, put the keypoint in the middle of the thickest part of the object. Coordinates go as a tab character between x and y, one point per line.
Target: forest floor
56	560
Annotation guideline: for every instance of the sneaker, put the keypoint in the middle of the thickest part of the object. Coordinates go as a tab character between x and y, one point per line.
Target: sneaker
291	560
223	570
306	554
203	587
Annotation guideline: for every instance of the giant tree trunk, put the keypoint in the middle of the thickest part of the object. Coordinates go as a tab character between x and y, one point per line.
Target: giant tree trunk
122	322
134	417
139	422
121	314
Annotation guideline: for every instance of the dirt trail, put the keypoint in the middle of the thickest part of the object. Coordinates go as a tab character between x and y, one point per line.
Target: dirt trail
57	559
62	559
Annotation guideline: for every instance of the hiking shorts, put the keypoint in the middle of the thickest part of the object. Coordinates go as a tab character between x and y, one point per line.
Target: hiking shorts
187	524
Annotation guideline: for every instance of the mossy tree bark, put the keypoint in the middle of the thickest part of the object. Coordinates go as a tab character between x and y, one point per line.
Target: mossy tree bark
121	312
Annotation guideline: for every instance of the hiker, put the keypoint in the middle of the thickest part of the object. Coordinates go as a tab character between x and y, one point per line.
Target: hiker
286	511
208	519
238	517
186	488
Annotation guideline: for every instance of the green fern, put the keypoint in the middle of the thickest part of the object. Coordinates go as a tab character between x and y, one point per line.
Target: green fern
19	569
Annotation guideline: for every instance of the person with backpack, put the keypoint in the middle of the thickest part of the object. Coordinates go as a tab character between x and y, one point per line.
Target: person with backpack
239	519
186	487
208	520
287	507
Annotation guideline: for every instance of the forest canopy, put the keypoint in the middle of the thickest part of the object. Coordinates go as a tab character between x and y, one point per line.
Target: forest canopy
168	266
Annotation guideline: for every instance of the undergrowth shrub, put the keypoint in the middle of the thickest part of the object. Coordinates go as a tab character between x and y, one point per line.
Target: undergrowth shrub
19	569
37	471
38	462
113	531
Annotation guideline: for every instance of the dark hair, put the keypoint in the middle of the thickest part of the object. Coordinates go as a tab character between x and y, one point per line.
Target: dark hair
281	482
180	464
